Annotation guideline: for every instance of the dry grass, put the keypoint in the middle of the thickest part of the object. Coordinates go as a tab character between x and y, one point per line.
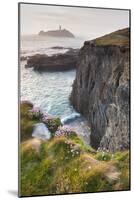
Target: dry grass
119	38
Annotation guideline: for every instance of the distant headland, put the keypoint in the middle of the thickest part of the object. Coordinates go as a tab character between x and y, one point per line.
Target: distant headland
57	33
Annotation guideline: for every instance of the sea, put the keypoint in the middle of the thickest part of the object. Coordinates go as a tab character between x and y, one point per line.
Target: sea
51	90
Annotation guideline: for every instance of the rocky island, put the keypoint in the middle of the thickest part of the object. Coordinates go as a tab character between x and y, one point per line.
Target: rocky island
57	33
101	89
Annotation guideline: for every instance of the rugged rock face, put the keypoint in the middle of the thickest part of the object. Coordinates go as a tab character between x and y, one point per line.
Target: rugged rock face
59	62
101	89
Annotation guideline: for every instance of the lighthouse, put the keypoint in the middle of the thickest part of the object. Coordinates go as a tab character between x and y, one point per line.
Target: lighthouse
59	27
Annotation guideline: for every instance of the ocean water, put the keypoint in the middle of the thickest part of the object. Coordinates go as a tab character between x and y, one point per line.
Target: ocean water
48	90
33	44
51	90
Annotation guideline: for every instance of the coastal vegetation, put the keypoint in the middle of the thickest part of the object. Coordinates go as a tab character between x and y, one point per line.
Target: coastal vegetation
64	163
117	38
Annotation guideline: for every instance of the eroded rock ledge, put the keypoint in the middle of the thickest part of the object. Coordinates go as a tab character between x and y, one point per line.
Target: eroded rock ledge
58	62
101	89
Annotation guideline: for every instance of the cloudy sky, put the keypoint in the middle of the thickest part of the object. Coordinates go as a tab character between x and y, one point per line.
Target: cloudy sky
87	22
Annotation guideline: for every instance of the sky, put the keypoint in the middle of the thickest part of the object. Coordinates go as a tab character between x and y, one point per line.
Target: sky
82	22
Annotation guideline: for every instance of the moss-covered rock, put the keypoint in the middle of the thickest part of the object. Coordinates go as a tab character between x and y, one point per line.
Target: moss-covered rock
30	115
26	122
52	123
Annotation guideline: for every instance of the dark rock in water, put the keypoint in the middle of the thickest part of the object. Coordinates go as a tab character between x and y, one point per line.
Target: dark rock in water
27	103
59	62
101	89
23	58
57	33
59	47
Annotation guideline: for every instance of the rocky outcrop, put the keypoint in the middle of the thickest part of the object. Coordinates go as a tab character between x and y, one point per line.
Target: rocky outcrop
58	62
57	33
23	58
101	89
35	123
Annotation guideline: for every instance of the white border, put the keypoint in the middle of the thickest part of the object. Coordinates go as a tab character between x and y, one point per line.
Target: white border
8	98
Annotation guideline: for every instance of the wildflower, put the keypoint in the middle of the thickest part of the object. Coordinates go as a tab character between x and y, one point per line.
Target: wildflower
99	149
64	130
89	167
112	156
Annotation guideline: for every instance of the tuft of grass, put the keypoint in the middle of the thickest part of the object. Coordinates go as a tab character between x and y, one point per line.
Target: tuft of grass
103	156
118	38
53	124
67	165
24	108
26	128
26	123
122	163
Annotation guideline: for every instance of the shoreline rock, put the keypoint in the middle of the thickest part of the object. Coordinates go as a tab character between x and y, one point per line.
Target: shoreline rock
60	47
58	62
23	58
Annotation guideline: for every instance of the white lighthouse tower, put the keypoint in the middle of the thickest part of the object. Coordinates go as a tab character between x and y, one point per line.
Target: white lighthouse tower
59	27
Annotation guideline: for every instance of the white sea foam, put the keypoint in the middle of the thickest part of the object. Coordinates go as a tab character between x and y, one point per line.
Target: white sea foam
41	131
70	118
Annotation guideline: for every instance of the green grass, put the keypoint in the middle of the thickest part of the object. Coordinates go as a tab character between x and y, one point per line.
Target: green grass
26	123
119	38
103	156
123	160
65	164
53	124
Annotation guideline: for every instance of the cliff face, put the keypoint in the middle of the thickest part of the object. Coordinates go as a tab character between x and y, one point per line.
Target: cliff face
101	90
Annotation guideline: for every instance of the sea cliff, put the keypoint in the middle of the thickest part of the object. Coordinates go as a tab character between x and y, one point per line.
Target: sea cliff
101	89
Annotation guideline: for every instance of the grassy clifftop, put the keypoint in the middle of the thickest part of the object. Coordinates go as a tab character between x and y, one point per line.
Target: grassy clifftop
65	164
119	38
